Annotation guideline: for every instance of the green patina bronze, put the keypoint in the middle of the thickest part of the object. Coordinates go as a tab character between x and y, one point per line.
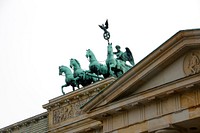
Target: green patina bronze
82	77
115	67
106	34
124	56
69	78
95	66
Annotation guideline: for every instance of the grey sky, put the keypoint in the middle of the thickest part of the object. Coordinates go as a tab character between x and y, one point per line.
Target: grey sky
36	36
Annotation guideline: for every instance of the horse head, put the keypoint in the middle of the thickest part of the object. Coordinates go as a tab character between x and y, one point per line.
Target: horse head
61	69
69	78
109	49
64	69
74	63
90	55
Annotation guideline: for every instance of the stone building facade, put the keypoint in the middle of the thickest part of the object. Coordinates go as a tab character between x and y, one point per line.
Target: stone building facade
160	94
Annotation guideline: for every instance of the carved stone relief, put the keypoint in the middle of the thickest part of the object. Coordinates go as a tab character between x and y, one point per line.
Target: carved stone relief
62	113
68	111
191	63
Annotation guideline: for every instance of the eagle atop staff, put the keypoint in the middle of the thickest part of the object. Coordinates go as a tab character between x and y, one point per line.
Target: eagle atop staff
104	27
106	34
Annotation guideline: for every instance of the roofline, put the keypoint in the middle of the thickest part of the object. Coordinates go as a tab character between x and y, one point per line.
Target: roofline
26	121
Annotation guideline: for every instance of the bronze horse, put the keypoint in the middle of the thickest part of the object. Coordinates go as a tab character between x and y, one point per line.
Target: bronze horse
95	66
69	78
82	77
116	67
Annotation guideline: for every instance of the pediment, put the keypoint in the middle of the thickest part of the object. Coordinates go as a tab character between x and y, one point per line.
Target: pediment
176	70
175	59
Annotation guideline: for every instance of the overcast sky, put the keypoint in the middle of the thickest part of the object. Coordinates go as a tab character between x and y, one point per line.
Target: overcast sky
37	36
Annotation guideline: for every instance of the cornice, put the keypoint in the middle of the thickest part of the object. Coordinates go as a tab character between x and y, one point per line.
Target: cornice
145	97
84	91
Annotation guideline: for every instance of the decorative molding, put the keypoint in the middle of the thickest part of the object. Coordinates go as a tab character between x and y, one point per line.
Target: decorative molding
167	131
191	64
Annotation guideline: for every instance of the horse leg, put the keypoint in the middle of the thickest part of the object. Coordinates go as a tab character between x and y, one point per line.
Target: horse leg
73	88
119	73
111	72
62	88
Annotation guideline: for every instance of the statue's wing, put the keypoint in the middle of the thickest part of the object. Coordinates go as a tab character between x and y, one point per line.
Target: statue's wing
106	24
130	56
101	27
